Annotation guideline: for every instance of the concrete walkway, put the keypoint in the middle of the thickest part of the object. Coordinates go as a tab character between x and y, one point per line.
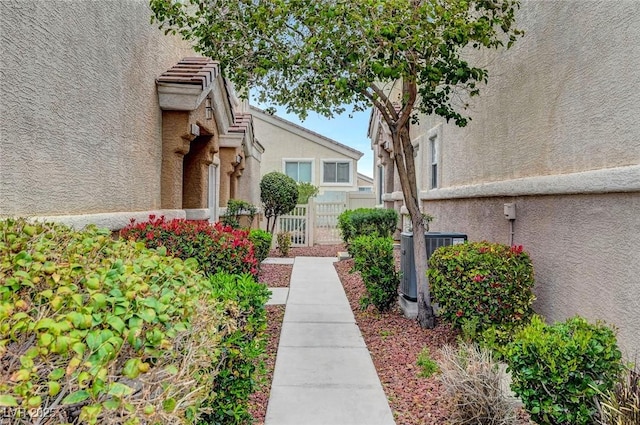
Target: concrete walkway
324	374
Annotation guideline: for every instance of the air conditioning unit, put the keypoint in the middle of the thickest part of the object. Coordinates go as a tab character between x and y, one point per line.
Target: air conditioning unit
434	240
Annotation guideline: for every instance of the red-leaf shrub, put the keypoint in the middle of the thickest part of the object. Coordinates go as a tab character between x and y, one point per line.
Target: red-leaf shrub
216	247
482	285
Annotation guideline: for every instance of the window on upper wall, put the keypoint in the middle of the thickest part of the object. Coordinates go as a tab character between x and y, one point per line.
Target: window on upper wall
336	172
300	171
433	153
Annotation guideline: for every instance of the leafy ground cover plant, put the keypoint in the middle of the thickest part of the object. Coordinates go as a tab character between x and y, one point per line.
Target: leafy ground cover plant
367	221
216	247
481	285
558	370
103	331
428	366
473	380
373	258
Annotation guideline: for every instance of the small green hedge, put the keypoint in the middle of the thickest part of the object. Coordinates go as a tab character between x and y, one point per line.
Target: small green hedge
367	221
242	347
559	370
481	285
92	328
261	240
216	247
373	258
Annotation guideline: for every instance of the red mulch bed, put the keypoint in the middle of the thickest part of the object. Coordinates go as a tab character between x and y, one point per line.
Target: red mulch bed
275	275
258	400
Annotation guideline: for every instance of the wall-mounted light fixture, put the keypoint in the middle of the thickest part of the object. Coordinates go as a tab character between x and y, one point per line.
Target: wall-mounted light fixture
208	109
238	159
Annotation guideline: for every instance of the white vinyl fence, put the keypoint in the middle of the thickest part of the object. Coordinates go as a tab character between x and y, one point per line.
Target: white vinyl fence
317	222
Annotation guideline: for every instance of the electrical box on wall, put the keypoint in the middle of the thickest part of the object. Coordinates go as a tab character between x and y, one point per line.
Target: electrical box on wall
510	211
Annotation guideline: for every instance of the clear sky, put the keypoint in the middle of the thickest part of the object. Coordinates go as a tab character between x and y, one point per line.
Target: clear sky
348	131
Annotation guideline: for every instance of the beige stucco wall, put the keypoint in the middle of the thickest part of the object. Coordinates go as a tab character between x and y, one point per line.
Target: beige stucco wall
80	127
564	99
555	131
284	142
584	250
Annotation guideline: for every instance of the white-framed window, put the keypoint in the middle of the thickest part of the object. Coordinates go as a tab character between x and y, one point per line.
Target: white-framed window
301	170
337	171
433	156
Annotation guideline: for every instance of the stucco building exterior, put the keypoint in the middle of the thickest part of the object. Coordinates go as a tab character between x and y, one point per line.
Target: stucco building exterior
304	155
555	132
103	117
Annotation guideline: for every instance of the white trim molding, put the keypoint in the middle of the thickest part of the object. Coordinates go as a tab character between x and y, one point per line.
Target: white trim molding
608	180
112	221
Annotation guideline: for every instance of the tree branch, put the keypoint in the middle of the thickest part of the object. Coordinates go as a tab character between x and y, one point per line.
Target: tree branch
389	105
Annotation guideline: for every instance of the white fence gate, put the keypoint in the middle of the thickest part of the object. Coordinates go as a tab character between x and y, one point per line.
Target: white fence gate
326	230
297	224
317	222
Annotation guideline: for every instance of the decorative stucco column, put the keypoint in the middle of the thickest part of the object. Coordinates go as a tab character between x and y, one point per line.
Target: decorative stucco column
176	141
196	173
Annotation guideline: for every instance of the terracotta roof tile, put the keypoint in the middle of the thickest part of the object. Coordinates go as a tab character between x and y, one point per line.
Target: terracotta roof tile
193	71
241	123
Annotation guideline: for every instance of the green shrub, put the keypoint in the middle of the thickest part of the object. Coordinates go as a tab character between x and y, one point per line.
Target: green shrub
483	285
428	366
558	370
306	191
367	221
114	332
216	247
279	194
85	319
284	243
261	240
373	258
241	347
237	209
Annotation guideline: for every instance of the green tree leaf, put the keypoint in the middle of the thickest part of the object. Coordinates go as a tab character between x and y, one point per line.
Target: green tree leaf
8	401
76	397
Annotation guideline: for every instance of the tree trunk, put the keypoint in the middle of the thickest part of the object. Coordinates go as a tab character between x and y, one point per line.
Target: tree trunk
399	124
426	316
405	165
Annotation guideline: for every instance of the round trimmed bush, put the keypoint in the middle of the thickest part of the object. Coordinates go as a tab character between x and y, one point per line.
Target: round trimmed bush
480	285
279	195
